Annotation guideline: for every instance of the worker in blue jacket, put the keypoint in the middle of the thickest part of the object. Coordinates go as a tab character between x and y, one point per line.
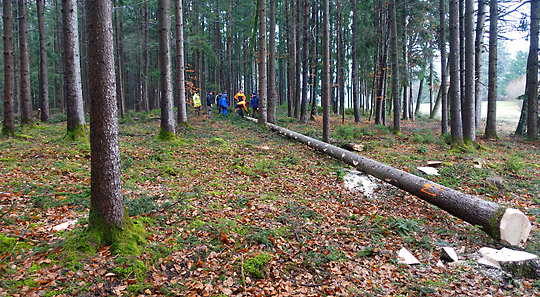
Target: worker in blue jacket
223	103
254	102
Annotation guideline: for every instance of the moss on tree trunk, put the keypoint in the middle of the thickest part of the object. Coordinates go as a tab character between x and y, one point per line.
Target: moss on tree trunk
123	239
77	133
8	131
165	135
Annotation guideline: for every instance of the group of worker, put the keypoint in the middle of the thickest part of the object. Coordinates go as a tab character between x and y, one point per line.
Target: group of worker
221	100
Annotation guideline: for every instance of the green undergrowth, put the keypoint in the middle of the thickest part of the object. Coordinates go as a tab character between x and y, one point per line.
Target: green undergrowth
224	200
256	266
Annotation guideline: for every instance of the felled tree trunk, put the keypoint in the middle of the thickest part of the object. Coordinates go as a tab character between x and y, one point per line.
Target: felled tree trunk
506	224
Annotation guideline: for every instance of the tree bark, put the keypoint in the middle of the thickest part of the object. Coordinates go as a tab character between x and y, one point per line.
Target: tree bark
395	65
218	72
419	96
106	201
72	72
405	68
340	61
297	64
304	116
478	212
229	54
8	126
454	92
532	74
262	64
16	60
84	67
272	95
468	112
43	75
180	71
167	111
442	47
289	58
26	104
479	61
354	66
326	80
491	131
145	58
314	58
120	90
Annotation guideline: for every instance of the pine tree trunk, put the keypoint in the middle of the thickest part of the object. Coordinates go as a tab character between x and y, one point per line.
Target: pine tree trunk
84	67
8	126
180	71
26	104
262	65
314	60
395	65
431	87
419	97
229	54
217	47
532	74
297	64
442	48
107	215
468	112
272	95
72	72
340	60
120	90
43	75
491	131
479	61
167	111
405	68
145	58
354	66
461	22
305	65
289	22
454	92
326	80
16	60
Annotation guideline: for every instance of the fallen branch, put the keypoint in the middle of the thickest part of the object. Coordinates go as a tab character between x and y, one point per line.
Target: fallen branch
509	225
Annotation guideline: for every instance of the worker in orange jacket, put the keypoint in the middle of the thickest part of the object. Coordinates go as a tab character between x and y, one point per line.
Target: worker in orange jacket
241	103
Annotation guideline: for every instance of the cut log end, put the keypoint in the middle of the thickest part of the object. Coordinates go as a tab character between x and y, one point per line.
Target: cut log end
514	227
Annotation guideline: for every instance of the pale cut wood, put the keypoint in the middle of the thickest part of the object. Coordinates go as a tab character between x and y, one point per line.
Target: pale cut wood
486	214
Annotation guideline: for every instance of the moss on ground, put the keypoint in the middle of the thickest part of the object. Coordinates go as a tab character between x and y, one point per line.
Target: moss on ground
256	266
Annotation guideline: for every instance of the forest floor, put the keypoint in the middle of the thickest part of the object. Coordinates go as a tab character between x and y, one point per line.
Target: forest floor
234	210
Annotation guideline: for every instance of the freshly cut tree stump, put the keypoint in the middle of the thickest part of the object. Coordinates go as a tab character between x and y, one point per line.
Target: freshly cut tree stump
508	225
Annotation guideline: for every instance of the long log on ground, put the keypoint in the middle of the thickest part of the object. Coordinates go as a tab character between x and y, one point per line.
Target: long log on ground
508	225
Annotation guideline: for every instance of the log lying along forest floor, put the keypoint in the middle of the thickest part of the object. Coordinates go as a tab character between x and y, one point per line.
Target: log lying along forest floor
509	225
228	203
